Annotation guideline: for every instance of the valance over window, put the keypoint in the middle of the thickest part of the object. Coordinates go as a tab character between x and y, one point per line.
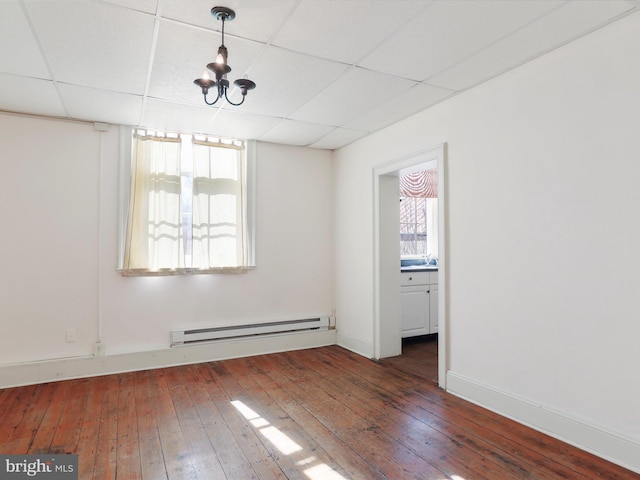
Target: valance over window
423	184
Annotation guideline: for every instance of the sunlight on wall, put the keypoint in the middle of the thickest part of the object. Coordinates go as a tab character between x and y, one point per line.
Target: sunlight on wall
317	471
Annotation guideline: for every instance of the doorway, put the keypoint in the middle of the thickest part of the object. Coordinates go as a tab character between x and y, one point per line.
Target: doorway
387	324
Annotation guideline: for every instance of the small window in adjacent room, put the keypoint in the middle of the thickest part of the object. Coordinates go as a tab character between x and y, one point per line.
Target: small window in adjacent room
419	214
189	206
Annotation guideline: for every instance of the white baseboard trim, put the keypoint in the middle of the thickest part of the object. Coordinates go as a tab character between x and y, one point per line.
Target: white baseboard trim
355	345
91	366
609	445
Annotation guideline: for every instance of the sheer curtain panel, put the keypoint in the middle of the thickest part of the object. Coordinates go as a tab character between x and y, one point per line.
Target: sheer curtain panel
153	242
219	206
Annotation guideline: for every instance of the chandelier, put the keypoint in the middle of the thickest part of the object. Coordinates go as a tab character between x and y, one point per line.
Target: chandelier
221	68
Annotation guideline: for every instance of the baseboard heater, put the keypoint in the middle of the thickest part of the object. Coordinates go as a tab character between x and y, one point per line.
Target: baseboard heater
199	335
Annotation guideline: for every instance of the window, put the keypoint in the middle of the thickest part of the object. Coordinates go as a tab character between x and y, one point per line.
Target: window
417	226
189	206
419	213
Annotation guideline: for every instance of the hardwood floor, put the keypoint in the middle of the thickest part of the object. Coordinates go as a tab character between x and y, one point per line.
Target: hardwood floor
316	414
419	356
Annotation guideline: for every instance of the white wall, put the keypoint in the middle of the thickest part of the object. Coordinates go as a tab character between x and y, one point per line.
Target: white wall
543	234
49	231
59	244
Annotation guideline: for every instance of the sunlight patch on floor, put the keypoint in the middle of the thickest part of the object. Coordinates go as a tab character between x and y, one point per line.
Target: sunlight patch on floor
286	446
322	471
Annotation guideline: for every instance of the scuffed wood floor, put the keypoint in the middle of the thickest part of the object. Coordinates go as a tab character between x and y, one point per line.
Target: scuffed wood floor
316	414
419	356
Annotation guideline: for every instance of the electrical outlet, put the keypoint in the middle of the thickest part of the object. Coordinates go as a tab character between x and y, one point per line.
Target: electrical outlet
72	335
98	349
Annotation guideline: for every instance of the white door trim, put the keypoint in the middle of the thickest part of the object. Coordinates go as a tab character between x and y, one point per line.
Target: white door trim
387	340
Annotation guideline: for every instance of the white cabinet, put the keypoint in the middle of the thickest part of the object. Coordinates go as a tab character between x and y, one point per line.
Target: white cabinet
419	303
415	310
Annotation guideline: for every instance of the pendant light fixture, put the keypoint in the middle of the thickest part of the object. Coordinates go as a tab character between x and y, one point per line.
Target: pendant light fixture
221	68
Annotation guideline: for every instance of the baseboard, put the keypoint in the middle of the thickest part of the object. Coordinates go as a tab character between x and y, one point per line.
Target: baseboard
609	445
355	345
91	366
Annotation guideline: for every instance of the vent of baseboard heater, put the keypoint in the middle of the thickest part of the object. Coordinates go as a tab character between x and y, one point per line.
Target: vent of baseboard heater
199	335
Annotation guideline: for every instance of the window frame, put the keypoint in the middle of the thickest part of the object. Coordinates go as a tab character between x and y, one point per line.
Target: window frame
124	192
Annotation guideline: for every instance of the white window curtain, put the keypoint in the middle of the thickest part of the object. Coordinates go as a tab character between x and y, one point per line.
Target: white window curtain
187	207
154	240
219	206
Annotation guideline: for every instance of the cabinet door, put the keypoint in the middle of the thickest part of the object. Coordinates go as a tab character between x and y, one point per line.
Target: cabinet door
433	309
415	310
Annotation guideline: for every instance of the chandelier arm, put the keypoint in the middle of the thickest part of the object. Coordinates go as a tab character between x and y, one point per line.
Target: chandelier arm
234	104
211	103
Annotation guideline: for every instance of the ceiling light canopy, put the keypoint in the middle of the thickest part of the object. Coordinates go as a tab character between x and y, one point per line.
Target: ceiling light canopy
221	68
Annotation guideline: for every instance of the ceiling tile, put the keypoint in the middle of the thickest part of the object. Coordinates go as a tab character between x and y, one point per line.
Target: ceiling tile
558	27
29	95
175	117
348	30
148	6
286	80
203	119
351	96
412	101
255	20
95	44
295	133
338	137
118	108
448	32
19	51
236	124
182	55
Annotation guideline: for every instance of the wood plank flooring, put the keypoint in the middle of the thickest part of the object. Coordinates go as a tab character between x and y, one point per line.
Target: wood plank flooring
419	356
316	414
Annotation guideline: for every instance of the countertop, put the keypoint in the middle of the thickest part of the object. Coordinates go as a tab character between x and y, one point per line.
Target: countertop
419	268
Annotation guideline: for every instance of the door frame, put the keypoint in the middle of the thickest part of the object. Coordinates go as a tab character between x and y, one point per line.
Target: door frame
387	338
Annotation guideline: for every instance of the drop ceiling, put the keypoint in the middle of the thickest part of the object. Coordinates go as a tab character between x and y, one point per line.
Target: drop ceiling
328	72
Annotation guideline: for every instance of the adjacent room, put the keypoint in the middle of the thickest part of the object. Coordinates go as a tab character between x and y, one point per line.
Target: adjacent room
372	240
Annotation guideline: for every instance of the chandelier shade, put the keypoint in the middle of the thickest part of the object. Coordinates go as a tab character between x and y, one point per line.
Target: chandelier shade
220	68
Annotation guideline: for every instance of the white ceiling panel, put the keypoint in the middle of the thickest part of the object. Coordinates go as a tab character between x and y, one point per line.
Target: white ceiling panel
352	95
236	123
148	6
349	30
414	100
338	138
30	95
448	32
163	115
327	71
256	20
19	51
292	132
118	108
286	80
557	28
94	44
